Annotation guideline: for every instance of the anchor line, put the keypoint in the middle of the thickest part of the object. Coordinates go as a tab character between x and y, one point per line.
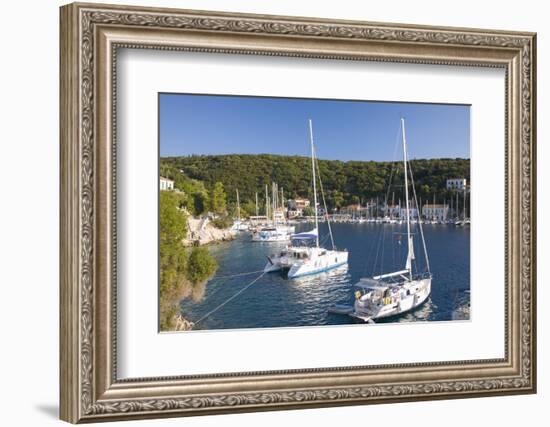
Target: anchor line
230	299
230	276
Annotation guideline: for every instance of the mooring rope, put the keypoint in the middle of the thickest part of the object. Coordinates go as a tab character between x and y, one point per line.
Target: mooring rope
230	299
230	276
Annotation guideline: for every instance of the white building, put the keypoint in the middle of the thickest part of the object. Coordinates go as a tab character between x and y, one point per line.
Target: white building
456	184
393	211
413	213
397	212
435	212
166	184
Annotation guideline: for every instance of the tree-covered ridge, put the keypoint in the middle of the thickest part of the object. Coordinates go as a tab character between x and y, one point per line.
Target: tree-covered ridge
343	182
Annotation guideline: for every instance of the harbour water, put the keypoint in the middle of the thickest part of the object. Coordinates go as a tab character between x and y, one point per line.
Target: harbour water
275	301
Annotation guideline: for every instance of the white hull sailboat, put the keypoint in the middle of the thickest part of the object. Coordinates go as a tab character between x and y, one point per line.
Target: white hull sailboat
398	292
238	224
300	260
275	232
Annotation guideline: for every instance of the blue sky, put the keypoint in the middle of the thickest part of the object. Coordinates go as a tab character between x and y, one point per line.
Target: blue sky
343	130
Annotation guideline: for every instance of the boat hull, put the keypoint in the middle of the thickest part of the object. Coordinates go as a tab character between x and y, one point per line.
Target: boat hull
301	271
275	234
328	260
420	290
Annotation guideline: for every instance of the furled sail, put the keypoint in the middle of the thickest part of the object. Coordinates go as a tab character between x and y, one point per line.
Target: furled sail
410	255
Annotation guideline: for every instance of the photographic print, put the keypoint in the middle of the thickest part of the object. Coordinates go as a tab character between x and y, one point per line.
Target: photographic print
282	212
307	181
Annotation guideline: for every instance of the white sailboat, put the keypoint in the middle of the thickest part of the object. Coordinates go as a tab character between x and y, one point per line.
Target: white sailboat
400	291
464	221
302	258
276	232
239	225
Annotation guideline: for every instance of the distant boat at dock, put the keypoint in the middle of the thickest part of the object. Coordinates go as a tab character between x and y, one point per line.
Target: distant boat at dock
278	230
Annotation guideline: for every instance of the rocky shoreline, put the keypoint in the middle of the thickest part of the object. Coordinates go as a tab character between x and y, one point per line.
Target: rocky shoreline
201	232
182	324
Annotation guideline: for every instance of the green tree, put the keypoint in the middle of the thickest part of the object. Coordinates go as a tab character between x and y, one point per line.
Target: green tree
173	257
181	274
201	265
218	202
248	209
337	199
173	224
308	211
200	202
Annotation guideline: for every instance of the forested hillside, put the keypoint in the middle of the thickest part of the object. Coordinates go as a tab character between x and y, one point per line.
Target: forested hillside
343	182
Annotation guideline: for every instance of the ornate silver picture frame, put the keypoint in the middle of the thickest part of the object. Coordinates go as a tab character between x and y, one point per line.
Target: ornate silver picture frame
91	34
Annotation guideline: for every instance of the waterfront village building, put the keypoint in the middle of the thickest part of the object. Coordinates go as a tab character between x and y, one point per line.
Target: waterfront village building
355	210
456	184
296	207
413	213
435	212
396	211
166	184
393	211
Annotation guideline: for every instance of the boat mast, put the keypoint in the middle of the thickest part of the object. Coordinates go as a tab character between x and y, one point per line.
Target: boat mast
238	207
273	206
314	180
409	240
464	205
283	204
325	204
257	203
457	210
266	203
420	222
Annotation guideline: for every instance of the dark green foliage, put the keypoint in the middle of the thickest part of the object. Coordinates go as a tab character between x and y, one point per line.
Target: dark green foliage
201	265
222	222
344	182
248	208
181	274
194	195
218	201
308	211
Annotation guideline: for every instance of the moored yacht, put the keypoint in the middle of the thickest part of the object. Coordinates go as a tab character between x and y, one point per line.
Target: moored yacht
305	256
301	259
273	233
397	292
279	230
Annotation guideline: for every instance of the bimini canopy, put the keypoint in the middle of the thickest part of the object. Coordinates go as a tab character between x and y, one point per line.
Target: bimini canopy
306	235
368	283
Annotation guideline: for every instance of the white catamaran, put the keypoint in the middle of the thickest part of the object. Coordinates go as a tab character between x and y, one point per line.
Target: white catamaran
302	258
393	293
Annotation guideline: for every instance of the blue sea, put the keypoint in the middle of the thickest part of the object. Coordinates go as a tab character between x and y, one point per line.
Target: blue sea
275	301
